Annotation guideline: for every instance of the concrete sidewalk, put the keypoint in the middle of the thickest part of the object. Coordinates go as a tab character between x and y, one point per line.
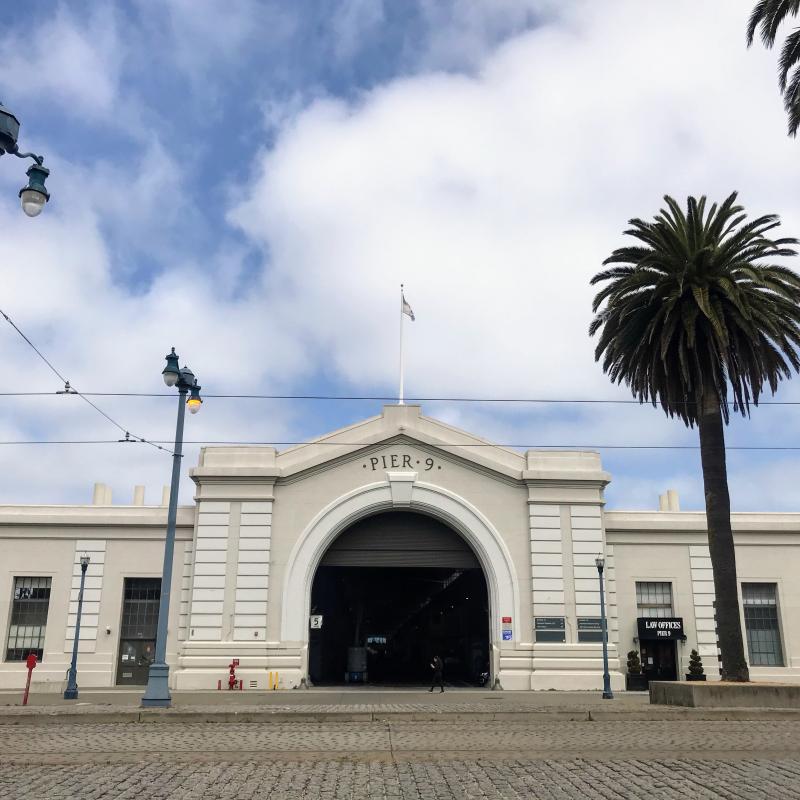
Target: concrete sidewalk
359	705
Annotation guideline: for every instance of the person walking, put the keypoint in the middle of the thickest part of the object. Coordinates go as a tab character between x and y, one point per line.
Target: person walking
437	665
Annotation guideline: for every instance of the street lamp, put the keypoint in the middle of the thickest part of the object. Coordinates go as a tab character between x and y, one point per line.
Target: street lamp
33	196
157	692
607	693
71	692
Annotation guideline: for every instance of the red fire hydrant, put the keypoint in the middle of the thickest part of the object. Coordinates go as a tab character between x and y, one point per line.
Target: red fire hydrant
30	662
232	676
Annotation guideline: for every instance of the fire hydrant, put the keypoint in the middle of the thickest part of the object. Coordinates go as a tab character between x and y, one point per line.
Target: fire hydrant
30	662
232	676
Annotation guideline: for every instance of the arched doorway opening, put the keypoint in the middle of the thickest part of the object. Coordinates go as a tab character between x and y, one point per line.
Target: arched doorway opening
393	590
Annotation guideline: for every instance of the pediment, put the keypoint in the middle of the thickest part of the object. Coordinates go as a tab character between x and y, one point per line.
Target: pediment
404	425
399	425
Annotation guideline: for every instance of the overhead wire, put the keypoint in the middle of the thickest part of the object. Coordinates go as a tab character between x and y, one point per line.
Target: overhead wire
69	389
388	399
232	442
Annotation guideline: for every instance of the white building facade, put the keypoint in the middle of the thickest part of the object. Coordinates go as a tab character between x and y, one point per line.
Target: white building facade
356	557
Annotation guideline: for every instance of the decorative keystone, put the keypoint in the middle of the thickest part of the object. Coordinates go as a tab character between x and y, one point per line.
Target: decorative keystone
402	486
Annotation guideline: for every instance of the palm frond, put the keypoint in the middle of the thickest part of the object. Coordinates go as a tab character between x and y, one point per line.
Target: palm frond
698	308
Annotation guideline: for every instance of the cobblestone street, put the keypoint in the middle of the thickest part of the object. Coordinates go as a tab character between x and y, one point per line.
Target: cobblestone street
562	760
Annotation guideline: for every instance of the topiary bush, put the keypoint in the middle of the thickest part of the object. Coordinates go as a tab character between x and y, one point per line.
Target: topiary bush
695	663
634	664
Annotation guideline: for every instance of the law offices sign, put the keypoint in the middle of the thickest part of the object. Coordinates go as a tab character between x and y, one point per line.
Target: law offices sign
660	628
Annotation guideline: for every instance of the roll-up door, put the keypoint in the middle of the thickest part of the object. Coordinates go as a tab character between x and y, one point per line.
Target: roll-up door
400	539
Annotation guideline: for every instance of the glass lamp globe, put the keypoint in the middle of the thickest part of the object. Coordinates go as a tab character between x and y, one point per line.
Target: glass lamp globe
32	202
170	378
194	404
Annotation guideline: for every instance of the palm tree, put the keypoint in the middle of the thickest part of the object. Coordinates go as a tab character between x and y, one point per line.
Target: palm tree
692	315
769	14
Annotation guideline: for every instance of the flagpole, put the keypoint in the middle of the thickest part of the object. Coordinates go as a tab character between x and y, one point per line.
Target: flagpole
400	393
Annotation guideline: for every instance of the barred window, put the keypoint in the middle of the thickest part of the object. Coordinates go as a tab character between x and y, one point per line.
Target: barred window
140	609
760	601
28	618
654	599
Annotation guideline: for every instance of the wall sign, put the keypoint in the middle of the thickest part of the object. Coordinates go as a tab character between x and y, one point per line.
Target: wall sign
590	629
315	621
549	629
664	628
401	461
506	636
506	620
549	623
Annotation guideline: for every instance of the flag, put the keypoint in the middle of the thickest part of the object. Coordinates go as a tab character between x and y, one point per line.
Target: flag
407	308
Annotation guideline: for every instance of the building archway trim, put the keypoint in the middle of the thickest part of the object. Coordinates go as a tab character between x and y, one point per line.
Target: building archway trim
429	499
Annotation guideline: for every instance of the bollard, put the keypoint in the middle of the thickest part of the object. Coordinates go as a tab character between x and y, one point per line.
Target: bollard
219	685
241	684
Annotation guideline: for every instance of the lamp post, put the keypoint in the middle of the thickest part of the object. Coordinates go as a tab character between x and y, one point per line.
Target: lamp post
157	692
33	196
71	692
607	693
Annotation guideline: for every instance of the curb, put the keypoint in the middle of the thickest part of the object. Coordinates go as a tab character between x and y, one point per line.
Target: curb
151	716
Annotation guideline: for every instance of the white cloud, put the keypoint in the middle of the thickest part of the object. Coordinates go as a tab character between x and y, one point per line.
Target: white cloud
72	61
494	196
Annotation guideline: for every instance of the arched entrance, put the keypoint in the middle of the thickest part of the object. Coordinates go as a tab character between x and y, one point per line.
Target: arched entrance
401	491
390	592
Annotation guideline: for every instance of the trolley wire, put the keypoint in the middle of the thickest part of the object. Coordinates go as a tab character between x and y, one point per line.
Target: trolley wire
389	399
69	389
231	442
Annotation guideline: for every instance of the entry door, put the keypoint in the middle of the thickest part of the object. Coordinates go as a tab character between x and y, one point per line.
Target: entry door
658	661
135	657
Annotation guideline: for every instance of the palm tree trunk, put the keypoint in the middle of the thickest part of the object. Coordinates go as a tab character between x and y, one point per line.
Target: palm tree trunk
720	539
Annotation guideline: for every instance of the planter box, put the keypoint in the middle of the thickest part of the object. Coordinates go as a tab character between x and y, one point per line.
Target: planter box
716	694
690	677
635	683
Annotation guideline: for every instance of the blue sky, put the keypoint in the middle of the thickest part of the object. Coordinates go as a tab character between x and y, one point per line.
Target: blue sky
250	182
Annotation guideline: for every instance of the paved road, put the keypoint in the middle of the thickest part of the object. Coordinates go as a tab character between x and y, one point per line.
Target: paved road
550	760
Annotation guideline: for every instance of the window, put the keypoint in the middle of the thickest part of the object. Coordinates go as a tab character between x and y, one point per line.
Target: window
654	599
760	601
140	609
28	618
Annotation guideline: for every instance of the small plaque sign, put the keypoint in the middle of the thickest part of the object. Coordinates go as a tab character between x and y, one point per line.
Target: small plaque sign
549	623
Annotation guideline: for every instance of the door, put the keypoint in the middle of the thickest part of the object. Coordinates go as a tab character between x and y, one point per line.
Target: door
135	657
658	661
138	626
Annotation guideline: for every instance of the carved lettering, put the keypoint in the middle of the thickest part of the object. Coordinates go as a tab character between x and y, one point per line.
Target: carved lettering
401	461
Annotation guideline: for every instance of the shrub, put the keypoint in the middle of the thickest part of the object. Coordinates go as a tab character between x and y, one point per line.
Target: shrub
695	663
634	665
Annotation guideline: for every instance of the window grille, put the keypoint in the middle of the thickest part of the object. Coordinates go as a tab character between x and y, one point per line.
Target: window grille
654	599
760	601
140	608
28	618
